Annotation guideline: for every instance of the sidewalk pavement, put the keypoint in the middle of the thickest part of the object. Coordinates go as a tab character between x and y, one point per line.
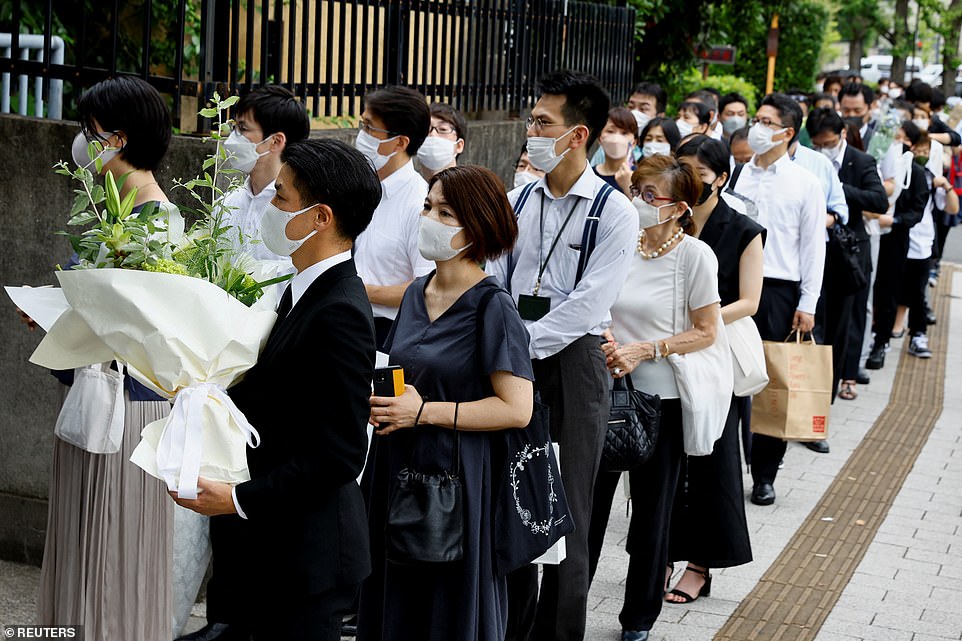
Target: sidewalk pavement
908	586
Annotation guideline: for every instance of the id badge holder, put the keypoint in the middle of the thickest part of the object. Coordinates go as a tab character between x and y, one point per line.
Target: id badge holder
532	307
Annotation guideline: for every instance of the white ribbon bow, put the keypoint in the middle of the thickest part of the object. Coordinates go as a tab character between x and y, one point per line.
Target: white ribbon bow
181	444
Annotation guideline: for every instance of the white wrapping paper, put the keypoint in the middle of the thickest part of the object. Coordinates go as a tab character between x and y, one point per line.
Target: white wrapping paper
184	338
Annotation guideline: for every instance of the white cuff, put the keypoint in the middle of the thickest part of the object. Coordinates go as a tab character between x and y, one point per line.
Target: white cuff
240	512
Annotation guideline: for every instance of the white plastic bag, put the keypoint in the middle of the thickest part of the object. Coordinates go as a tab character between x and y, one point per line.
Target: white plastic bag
92	416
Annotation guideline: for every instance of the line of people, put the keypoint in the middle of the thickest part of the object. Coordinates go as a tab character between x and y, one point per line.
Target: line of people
598	264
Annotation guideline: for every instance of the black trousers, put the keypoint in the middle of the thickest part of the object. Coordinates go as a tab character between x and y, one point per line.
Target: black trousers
776	311
315	617
574	383
227	588
856	327
915	277
833	315
893	248
653	487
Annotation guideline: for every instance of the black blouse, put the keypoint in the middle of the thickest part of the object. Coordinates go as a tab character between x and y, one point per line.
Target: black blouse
728	233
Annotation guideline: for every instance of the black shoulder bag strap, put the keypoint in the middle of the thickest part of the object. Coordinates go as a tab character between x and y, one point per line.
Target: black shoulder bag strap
736	172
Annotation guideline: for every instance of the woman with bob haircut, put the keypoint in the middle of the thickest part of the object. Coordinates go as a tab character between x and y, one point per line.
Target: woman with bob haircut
108	550
671	271
464	350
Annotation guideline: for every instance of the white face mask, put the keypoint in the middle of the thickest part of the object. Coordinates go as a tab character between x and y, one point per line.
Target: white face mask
760	138
649	215
242	153
656	149
436	152
274	230
79	150
641	118
434	240
832	152
733	123
895	92
616	145
541	152
369	145
922	123
684	128
522	178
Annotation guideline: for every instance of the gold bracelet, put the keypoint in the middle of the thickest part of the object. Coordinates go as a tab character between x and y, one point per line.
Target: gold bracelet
667	350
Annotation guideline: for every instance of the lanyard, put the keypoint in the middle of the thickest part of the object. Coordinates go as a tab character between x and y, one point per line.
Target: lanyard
544	263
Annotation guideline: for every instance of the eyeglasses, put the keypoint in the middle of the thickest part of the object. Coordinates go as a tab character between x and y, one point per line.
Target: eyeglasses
443	130
368	128
647	195
538	124
768	122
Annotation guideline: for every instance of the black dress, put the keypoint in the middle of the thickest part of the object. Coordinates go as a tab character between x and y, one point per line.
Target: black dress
463	601
708	524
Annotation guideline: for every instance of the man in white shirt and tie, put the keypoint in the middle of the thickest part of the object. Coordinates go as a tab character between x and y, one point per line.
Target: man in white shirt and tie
791	206
565	296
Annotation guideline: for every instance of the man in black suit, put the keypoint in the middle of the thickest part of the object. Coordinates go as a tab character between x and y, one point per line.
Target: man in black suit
863	193
298	530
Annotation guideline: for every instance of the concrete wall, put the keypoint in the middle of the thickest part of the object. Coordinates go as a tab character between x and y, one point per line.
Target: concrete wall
33	206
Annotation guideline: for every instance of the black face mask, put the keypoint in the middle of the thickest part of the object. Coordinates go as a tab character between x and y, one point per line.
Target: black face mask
855	121
906	148
706	192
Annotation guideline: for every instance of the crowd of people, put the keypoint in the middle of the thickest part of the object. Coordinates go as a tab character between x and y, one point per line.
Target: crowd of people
632	232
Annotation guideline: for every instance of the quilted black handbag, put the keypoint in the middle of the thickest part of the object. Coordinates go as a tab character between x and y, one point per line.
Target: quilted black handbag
633	423
425	521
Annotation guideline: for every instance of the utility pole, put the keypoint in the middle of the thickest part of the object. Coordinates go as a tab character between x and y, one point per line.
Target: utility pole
772	54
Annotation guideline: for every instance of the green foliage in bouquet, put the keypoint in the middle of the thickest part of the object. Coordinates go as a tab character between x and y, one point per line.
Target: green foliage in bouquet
152	238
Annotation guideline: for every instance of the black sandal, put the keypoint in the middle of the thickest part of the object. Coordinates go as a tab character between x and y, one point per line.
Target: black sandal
704	591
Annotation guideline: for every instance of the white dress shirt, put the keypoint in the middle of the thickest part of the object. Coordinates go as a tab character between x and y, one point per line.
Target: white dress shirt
245	211
827	174
387	251
299	284
575	311
791	206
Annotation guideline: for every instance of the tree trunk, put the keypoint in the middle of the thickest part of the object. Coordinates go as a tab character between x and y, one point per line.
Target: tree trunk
855	53
950	48
901	42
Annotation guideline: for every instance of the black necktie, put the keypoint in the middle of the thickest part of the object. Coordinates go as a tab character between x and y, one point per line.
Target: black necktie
286	303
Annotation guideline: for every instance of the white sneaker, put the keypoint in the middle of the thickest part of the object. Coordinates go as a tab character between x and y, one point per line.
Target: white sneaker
919	346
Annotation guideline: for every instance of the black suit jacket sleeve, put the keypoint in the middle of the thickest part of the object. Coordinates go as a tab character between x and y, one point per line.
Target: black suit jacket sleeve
937	126
319	413
865	192
910	205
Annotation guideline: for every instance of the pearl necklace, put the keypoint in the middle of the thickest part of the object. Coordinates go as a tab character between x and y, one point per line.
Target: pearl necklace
665	246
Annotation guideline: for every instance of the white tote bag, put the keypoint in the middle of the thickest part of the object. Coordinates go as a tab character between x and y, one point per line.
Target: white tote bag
92	416
704	378
748	357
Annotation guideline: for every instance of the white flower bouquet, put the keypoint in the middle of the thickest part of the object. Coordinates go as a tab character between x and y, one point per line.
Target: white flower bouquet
186	314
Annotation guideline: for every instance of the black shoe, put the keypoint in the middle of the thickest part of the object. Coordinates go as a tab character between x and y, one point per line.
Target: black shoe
349	627
218	632
876	358
862	378
763	494
817	446
634	635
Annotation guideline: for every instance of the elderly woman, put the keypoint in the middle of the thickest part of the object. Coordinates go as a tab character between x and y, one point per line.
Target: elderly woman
672	270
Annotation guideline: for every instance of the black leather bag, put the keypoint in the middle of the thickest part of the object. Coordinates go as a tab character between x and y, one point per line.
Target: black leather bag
425	521
633	424
844	272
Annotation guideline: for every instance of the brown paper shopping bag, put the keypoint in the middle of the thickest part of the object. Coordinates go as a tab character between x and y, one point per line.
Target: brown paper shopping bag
796	403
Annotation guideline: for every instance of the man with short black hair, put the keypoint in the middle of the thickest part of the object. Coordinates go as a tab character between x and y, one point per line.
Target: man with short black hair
301	520
445	141
791	206
856	102
732	113
564	294
393	126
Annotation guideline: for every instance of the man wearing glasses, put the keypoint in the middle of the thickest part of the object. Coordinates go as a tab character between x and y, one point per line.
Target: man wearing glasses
791	206
445	141
564	295
393	126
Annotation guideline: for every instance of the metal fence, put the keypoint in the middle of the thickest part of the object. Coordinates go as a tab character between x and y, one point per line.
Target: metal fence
478	55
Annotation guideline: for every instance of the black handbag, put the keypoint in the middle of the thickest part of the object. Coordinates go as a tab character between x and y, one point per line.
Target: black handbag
843	269
425	521
633	424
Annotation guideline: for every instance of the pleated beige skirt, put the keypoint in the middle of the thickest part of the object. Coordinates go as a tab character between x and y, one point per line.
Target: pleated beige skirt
107	555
